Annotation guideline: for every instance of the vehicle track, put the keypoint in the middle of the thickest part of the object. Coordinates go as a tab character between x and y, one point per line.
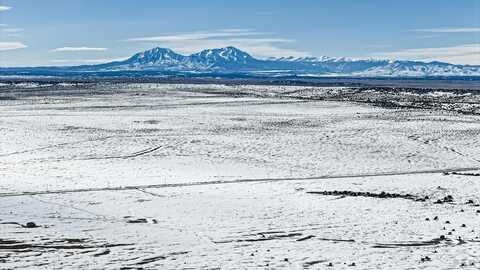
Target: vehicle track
236	181
434	143
132	155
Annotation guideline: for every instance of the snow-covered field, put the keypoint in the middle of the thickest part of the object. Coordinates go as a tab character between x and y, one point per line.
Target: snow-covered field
158	176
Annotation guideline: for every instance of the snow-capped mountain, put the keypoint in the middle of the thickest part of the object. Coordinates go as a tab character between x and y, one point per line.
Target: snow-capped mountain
156	56
222	59
232	60
416	68
378	67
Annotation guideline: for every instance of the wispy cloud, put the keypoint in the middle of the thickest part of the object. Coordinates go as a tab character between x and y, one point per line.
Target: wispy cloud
448	30
5	8
87	61
461	54
194	36
79	49
12	30
429	36
200	35
5	46
257	43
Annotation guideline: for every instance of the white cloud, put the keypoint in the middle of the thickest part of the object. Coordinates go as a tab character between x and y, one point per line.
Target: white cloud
193	36
259	48
5	8
462	54
449	30
235	30
5	46
245	39
225	33
79	49
429	36
12	30
87	61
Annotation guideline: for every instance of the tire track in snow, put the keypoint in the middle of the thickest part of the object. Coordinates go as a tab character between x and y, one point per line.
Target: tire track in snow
236	181
434	143
132	155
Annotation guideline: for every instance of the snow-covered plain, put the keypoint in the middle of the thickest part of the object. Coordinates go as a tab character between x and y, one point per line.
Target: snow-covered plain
163	176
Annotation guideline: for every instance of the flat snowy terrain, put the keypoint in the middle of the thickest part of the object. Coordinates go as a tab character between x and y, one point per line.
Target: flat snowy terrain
163	176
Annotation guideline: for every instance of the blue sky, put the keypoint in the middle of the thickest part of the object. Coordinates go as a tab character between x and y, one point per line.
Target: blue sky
69	32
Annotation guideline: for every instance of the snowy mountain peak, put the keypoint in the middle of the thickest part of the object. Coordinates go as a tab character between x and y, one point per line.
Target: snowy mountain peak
302	59
313	59
227	54
156	56
230	59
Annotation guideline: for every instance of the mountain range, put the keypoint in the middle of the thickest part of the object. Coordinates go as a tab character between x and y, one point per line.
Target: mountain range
230	60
